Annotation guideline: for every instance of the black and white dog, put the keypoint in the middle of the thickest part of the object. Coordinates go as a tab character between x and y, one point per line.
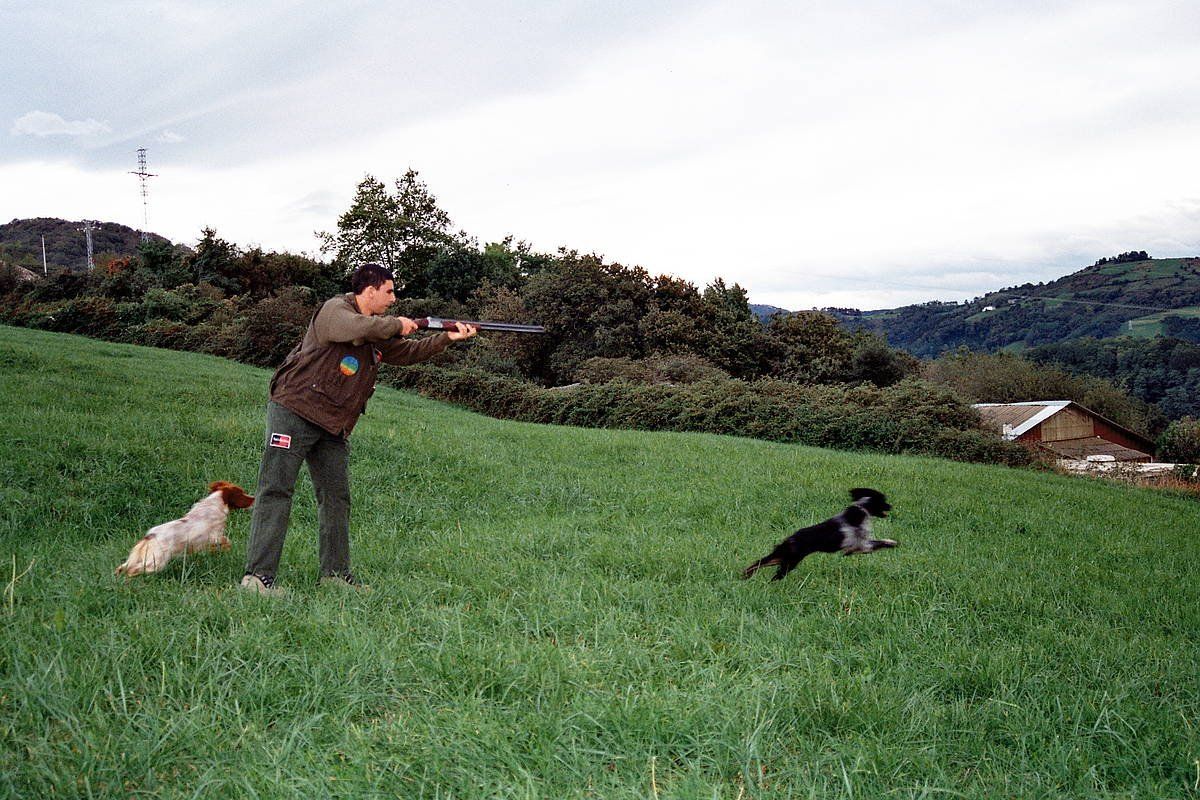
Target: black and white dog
849	532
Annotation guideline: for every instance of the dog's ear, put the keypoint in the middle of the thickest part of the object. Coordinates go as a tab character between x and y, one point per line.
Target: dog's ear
241	500
878	506
859	494
854	515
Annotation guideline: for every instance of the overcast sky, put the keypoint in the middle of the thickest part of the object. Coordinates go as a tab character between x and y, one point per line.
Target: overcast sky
818	153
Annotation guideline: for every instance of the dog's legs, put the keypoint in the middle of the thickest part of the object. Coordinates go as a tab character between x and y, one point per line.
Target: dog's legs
784	569
869	546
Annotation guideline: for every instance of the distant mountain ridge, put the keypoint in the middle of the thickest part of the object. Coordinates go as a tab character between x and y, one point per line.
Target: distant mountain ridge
1141	298
66	243
765	312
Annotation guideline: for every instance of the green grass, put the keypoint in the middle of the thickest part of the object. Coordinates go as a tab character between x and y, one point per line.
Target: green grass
1151	325
556	615
1148	270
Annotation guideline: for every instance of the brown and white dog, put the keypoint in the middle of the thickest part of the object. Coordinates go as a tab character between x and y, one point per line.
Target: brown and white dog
201	529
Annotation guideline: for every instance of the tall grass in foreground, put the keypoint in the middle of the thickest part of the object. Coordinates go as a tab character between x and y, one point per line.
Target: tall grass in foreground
555	612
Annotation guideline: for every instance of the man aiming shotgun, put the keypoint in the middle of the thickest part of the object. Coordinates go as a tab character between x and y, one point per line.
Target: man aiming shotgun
316	397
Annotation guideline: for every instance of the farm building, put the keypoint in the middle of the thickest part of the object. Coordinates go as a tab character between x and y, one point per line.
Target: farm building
1068	430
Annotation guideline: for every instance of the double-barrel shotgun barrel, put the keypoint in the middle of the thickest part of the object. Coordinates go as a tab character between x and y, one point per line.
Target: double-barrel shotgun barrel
439	324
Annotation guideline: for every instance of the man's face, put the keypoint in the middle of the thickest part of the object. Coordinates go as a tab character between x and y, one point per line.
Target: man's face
374	300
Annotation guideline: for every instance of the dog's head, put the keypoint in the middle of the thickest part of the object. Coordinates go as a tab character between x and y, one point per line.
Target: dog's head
231	495
871	501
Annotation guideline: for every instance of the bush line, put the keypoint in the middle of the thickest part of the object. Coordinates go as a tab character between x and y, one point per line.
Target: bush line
909	417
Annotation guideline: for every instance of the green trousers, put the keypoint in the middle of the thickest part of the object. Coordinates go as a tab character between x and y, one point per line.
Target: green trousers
290	441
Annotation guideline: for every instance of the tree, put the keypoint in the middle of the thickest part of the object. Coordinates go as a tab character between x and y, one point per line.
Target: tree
735	339
879	364
507	354
403	229
1180	442
590	309
809	347
164	261
216	261
454	272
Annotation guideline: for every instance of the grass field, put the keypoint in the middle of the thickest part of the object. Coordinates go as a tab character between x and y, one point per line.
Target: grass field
1150	269
556	615
1151	325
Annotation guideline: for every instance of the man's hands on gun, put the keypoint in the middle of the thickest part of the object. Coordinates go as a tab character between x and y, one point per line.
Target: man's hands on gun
463	331
460	331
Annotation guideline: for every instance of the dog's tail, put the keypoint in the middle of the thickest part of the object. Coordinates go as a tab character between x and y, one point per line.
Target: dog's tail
142	558
757	565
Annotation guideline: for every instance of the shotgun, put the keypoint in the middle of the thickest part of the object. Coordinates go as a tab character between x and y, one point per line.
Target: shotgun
439	324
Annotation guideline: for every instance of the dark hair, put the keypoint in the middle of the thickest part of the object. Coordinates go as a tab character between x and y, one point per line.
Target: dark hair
369	275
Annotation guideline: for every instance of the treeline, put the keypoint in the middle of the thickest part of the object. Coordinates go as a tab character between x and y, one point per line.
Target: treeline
1185	328
624	347
907	417
1164	371
1124	258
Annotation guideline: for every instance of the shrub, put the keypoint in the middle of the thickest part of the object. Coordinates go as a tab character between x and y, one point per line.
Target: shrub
64	286
682	368
879	364
187	303
1180	442
10	279
163	333
910	417
164	304
90	315
268	331
126	282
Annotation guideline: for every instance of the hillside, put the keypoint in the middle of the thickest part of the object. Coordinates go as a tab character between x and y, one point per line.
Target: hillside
1139	298
764	312
555	612
66	243
1162	370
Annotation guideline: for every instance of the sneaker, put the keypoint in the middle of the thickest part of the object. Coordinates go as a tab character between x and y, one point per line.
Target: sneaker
261	584
345	579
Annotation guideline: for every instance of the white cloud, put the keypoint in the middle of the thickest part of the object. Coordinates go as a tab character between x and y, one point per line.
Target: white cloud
43	123
816	153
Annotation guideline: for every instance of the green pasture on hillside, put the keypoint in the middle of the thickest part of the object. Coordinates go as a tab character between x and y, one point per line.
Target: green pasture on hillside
1149	270
1151	325
555	612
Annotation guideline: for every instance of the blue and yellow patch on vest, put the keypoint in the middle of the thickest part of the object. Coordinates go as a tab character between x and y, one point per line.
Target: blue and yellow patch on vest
349	365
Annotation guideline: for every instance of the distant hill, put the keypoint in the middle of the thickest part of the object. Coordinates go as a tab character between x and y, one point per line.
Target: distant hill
66	243
764	312
1140	298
